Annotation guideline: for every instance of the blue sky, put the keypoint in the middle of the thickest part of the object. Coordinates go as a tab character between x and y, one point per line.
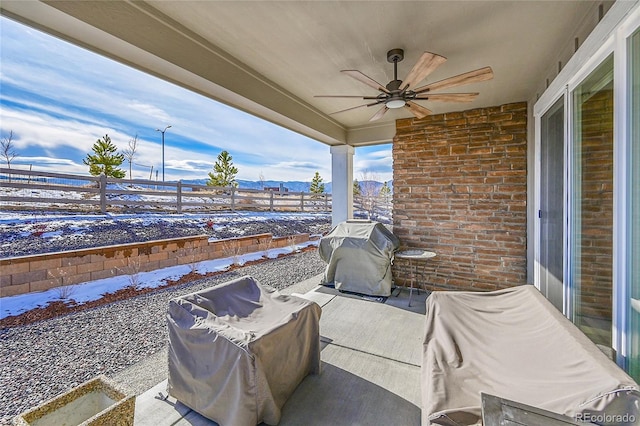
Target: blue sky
58	99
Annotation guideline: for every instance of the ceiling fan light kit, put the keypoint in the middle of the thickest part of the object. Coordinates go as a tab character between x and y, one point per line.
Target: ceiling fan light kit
395	103
400	93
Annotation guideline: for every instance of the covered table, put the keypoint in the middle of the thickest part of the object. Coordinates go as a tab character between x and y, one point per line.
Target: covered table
359	255
237	351
516	345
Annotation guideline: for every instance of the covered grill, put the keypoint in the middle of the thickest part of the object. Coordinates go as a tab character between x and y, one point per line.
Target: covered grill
359	255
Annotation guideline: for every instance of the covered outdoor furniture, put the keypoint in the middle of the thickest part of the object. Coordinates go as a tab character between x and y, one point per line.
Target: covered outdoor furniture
516	345
237	351
359	255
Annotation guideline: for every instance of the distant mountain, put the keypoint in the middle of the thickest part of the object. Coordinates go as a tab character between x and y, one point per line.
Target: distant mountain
292	186
365	185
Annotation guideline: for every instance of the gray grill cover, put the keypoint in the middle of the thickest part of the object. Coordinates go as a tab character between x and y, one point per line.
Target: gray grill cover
359	256
237	351
514	344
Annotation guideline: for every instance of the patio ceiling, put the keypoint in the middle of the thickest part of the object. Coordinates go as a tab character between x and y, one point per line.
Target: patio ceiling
270	58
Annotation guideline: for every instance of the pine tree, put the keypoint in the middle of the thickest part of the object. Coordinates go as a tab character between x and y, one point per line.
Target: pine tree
105	160
356	187
224	173
385	191
317	187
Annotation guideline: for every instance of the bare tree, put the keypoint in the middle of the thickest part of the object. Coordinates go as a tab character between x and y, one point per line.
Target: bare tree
369	192
8	149
130	152
261	180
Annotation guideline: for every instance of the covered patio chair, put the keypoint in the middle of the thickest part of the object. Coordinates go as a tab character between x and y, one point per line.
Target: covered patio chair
237	351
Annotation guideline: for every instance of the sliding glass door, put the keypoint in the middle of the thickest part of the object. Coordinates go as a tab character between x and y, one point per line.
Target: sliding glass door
633	332
591	218
551	212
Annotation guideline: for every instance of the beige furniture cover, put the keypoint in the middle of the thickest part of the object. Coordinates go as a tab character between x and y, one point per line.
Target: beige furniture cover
237	351
359	256
514	344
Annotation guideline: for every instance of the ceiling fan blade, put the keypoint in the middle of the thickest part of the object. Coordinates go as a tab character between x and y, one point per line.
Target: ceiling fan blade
427	63
339	96
448	97
418	110
474	76
378	115
355	107
365	79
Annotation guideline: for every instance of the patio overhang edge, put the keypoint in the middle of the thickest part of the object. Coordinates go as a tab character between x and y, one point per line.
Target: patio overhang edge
215	75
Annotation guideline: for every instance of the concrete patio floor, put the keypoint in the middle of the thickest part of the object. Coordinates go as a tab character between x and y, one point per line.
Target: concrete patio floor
370	366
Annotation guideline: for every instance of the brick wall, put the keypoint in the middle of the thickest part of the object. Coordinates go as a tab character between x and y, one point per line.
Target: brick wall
594	274
26	274
460	190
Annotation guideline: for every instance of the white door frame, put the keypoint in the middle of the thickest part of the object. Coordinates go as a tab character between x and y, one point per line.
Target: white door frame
610	36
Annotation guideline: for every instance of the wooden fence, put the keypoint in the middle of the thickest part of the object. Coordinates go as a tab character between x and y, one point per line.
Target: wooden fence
25	189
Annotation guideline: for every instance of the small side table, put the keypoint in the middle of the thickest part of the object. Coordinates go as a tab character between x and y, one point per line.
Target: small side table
415	258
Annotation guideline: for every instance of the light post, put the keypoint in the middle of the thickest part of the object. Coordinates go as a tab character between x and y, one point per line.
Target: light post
162	131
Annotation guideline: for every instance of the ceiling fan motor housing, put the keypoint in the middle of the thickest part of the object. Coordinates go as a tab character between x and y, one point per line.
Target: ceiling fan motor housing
394	85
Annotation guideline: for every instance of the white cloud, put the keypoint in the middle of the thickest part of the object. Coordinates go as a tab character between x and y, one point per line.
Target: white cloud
150	110
60	98
373	161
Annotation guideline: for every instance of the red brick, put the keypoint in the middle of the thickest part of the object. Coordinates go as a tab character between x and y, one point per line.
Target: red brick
460	190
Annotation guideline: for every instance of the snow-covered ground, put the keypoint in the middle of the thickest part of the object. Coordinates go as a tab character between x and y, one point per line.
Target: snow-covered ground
38	231
29	233
94	290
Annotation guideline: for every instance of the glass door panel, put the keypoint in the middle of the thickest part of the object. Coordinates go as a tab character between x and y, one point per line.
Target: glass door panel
633	332
591	221
551	212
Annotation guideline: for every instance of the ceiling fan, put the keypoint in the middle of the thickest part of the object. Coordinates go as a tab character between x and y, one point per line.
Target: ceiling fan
401	93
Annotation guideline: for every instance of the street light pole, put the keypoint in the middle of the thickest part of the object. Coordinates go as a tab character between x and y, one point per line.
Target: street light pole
162	131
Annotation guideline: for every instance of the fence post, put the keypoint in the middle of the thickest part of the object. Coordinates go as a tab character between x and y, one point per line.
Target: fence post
302	201
326	202
179	196
103	193
233	199
270	200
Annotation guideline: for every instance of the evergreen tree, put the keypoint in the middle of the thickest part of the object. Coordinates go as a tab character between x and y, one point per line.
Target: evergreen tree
385	191
224	172
317	187
356	187
105	160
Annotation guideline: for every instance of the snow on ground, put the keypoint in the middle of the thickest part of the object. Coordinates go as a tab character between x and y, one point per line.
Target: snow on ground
94	290
81	221
48	226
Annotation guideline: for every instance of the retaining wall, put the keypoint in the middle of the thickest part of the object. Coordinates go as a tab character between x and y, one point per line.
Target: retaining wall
25	274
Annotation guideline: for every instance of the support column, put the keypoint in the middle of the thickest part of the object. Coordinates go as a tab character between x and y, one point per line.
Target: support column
341	183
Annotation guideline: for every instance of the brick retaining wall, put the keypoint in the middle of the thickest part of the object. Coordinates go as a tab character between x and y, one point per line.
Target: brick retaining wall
27	274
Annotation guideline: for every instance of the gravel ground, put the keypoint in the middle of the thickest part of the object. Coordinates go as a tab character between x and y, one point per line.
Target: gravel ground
41	233
44	359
